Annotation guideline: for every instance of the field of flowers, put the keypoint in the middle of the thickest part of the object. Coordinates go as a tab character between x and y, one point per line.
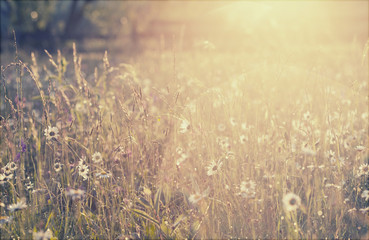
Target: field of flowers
270	144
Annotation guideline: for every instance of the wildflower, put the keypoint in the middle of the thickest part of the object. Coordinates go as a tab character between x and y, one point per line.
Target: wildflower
17	157
40	190
243	139
307	116
58	166
8	175
363	169
247	189
51	133
214	167
82	161
185	126
291	202
347	143
179	150
103	174
195	198
5	219
352	210
221	127
360	148
364	210
96	157
29	185
18	206
12	166
308	151
23	145
233	121
223	142
75	193
181	159
41	235
7	169
365	194
83	171
147	191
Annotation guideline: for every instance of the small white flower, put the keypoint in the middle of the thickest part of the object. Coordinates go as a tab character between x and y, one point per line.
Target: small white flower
51	133
29	186
291	202
83	171
307	116
58	166
75	193
364	210
103	174
2	179
365	194
41	235
96	157
363	170
308	151
181	159
195	198
232	121
247	189
214	167
243	139
221	127
18	206
360	148
185	126
12	166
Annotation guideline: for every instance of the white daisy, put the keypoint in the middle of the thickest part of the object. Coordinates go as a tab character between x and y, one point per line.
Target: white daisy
363	170
2	179
18	206
185	126
365	194
360	148
221	127
12	166
96	157
291	202
364	210
41	235
103	174
247	189
232	121
58	166
51	133
243	139
83	171
214	167
195	198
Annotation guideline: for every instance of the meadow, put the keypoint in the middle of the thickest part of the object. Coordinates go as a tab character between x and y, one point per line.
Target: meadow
262	143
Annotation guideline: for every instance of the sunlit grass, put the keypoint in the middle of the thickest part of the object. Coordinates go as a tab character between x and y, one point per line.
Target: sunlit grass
201	144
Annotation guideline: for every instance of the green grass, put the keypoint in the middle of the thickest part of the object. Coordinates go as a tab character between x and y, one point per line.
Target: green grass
294	120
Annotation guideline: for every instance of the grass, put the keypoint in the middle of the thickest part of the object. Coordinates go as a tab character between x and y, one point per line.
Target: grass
201	144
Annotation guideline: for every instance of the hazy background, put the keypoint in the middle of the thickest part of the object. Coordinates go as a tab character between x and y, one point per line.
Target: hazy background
129	28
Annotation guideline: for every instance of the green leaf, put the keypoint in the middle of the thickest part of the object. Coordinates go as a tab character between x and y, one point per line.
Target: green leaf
157	201
146	216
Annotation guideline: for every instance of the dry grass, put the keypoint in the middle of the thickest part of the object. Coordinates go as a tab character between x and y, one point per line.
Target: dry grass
192	145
